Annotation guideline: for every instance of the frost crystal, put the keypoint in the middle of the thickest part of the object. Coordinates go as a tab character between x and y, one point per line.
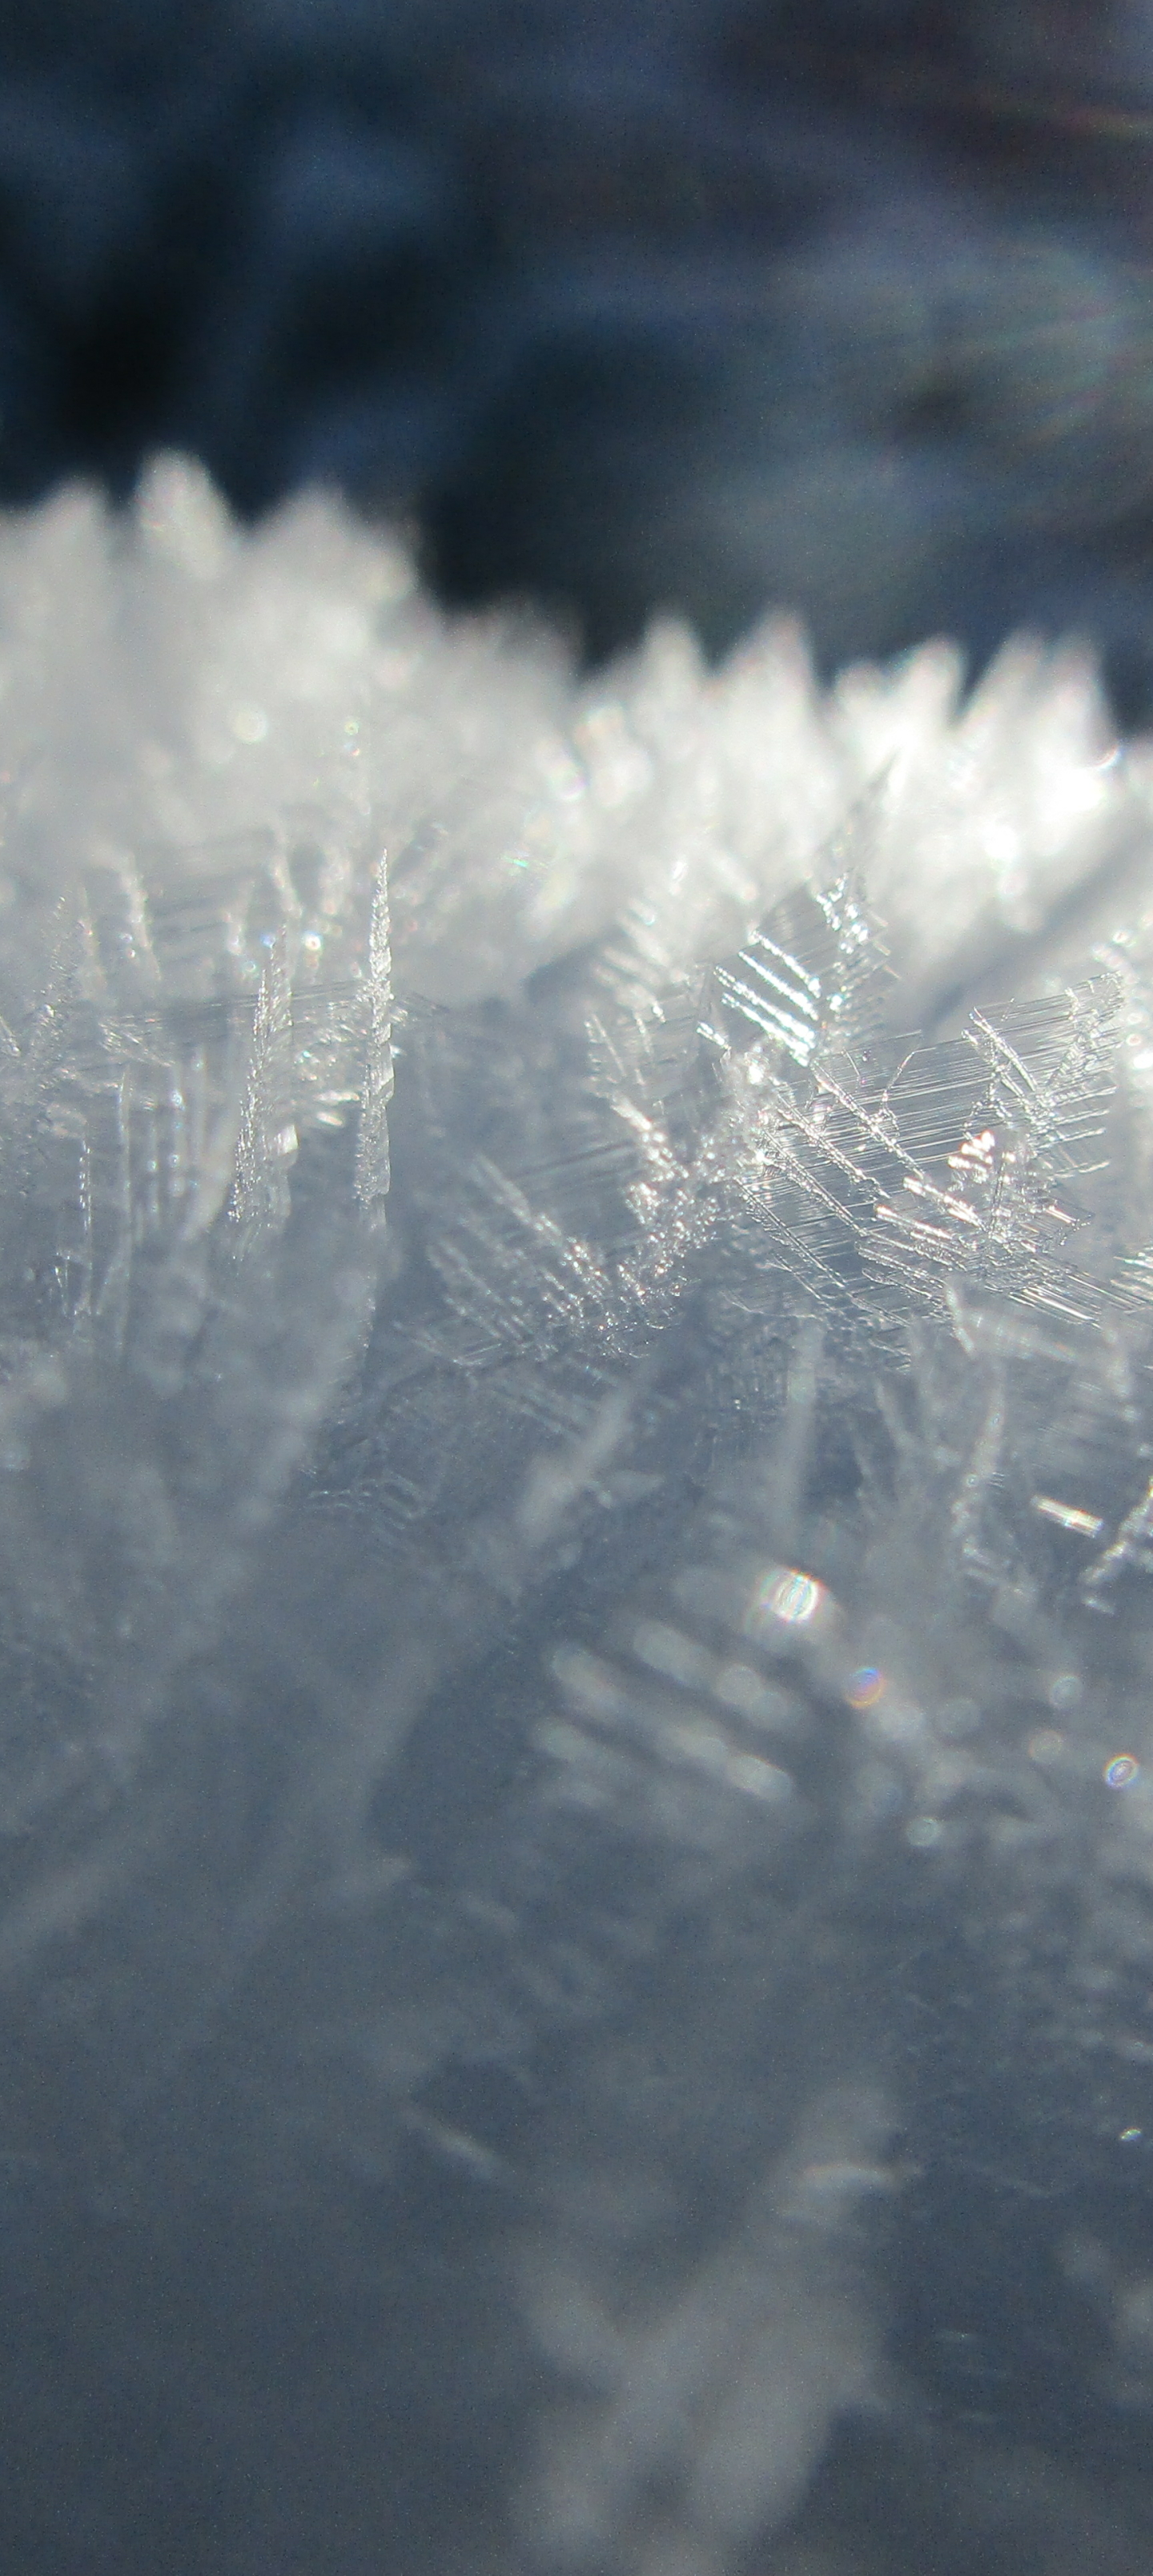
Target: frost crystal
589	1633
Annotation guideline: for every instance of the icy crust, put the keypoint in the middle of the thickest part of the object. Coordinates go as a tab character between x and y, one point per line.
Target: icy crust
564	1477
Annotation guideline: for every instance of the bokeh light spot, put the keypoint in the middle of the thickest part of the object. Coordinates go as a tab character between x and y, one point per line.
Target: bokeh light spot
788	1596
865	1687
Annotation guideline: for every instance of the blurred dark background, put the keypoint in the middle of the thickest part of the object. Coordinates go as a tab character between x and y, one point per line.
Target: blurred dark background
628	304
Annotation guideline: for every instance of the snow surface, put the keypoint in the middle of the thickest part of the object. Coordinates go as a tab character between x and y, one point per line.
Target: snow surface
624	1597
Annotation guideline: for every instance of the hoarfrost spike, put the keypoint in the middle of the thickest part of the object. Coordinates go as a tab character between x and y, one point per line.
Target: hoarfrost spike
373	1170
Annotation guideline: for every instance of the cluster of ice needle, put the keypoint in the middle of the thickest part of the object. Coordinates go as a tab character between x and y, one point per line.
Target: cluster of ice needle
745	1332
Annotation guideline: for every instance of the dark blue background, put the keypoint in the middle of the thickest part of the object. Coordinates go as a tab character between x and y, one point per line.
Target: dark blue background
579	291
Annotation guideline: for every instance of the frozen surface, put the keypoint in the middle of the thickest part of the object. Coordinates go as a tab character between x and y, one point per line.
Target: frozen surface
575	1533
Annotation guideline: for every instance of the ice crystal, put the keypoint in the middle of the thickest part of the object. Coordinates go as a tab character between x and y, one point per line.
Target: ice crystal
574	1442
